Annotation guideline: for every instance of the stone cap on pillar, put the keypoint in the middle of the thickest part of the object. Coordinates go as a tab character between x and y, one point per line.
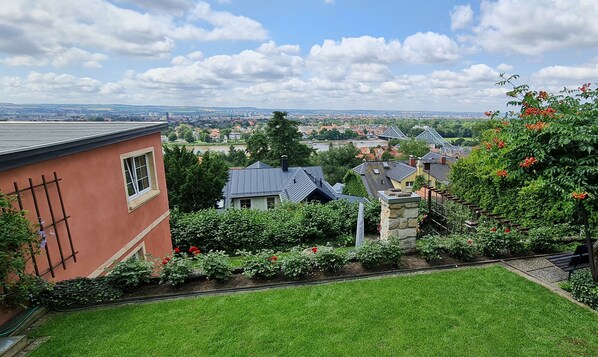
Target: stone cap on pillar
395	195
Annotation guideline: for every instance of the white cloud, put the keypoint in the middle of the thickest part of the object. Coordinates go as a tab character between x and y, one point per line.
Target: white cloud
461	17
63	32
534	27
426	47
429	47
50	86
503	67
568	74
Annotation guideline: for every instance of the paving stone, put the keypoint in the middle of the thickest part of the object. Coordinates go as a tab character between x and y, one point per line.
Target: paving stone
550	275
531	264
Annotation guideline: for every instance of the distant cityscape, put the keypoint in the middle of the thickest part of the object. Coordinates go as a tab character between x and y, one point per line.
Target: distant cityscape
191	114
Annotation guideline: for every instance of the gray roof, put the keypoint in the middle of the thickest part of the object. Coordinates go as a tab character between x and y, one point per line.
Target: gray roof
434	157
338	187
294	185
400	171
440	172
353	199
259	165
380	181
23	143
393	133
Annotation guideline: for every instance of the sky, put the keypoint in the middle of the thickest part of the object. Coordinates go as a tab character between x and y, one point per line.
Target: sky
435	55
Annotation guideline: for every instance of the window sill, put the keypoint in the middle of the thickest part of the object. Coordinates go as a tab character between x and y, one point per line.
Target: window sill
143	199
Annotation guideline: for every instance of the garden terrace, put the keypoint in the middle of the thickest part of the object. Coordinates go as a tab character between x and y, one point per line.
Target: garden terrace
483	312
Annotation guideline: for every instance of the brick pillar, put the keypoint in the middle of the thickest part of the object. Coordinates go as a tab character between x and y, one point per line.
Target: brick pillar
398	217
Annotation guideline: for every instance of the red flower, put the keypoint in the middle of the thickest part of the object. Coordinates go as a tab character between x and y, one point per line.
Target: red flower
314	249
273	258
177	250
193	249
507	230
501	144
164	262
488	113
488	146
579	195
542	95
539	125
529	161
502	173
585	87
493	229
470	241
167	258
505	123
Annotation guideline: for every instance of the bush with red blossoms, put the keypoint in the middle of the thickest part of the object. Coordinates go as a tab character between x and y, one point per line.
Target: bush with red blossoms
175	270
261	265
536	160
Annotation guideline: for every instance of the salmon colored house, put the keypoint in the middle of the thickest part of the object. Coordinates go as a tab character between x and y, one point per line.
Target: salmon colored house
96	191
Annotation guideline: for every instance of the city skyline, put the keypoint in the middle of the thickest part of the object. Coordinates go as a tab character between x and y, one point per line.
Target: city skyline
318	54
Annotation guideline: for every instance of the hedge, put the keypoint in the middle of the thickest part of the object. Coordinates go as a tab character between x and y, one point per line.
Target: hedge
285	226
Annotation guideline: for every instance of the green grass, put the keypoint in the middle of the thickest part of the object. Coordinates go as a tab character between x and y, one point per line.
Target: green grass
471	312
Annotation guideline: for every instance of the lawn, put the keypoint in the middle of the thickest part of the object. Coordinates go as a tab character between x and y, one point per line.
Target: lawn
471	312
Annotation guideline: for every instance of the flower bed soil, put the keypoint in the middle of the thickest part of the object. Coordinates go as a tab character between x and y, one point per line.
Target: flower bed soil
238	281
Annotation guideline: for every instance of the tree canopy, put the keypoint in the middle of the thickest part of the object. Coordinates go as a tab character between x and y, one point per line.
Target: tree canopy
193	185
413	146
337	161
280	137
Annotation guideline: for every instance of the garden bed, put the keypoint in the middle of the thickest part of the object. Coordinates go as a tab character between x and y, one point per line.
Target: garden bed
238	281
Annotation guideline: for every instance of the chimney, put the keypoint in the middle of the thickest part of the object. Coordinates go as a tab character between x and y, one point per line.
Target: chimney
412	161
284	163
443	160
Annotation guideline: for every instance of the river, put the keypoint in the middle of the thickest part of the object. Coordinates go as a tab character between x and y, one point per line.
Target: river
318	145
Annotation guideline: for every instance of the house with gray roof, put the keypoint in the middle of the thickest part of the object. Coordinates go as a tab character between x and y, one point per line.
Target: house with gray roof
383	175
95	192
260	186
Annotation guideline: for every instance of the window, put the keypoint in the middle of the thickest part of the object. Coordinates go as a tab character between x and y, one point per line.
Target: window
408	184
245	202
270	202
140	177
137	175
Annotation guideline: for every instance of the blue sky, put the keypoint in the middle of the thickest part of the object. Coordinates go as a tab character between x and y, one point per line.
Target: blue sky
312	54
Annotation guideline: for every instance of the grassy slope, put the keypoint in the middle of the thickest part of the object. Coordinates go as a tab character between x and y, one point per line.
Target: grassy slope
475	312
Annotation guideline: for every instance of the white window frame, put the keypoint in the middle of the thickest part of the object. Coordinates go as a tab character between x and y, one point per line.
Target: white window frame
268	202
244	199
140	197
409	184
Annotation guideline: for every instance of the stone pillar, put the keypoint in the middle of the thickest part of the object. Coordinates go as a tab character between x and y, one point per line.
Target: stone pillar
398	217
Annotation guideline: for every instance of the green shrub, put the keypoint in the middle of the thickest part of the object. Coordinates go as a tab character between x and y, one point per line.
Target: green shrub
375	252
330	260
547	239
297	264
131	273
461	247
288	225
584	289
431	248
261	265
491	242
80	292
175	270
216	265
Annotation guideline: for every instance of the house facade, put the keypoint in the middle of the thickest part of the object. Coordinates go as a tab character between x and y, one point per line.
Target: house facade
383	175
96	191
